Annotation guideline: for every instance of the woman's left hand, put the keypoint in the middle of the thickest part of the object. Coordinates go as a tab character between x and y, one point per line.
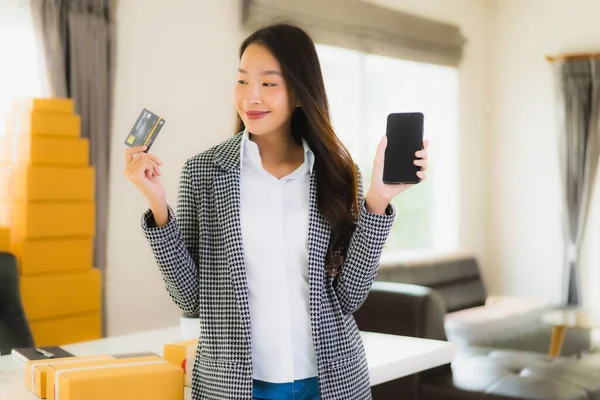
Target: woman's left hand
380	194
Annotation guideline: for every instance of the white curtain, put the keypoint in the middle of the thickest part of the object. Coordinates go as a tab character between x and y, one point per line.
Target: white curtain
590	256
22	73
579	151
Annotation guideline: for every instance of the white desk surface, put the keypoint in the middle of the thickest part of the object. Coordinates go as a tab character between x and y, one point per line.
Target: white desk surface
389	356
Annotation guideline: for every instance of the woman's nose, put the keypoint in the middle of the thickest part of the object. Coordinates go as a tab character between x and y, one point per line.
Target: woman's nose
253	95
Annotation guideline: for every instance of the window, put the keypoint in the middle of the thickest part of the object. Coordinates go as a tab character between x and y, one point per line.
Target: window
362	90
20	69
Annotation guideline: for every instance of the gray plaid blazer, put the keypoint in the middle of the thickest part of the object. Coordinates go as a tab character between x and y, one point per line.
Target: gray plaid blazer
201	257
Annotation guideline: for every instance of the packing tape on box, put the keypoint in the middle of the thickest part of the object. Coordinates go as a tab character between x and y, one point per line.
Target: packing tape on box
99	358
58	373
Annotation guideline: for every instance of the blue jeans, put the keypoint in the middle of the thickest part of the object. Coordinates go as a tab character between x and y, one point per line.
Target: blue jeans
302	389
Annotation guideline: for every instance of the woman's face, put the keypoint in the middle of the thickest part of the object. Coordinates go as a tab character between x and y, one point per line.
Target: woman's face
262	89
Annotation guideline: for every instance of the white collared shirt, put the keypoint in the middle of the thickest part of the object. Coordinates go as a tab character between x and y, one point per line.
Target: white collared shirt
274	221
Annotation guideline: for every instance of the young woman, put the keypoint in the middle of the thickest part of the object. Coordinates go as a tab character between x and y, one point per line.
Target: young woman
273	244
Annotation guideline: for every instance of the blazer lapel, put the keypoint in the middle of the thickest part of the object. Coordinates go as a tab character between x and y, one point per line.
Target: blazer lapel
318	240
227	196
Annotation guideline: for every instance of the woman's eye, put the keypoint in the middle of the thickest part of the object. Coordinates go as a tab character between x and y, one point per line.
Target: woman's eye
242	82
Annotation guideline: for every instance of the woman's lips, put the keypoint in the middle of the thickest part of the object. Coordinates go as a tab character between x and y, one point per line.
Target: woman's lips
256	114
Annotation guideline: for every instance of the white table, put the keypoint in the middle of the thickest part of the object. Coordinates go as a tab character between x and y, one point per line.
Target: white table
389	356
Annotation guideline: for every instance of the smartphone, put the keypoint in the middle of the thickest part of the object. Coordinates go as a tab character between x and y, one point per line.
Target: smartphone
404	133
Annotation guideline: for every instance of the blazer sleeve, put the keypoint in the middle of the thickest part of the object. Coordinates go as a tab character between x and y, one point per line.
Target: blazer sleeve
360	267
175	245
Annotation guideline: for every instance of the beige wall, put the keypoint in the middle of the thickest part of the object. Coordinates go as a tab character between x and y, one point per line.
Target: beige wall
178	60
525	236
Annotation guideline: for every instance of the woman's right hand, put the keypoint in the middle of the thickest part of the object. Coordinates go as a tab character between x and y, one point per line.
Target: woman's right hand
143	170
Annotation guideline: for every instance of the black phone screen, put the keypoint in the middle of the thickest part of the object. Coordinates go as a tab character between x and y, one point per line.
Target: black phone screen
404	133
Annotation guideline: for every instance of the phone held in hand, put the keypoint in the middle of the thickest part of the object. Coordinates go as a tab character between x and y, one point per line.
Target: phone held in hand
404	133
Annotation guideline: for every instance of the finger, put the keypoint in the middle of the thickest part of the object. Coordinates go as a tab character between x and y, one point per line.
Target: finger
422	154
150	164
149	156
143	161
131	151
426	144
154	158
421	163
151	169
380	155
381	150
141	158
135	149
422	175
140	164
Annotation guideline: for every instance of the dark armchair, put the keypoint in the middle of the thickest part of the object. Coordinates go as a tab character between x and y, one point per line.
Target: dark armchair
14	328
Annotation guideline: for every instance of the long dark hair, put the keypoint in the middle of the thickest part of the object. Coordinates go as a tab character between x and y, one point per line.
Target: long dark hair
337	188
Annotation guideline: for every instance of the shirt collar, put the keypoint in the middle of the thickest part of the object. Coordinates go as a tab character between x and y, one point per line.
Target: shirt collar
254	155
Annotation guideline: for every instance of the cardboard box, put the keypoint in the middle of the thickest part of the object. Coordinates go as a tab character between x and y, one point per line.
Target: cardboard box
60	105
148	378
45	183
182	354
10	122
49	296
59	331
5	244
43	256
44	150
36	370
48	220
5	149
46	124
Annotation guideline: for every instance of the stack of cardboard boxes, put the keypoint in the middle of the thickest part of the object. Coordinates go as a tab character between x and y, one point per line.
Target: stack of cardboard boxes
47	205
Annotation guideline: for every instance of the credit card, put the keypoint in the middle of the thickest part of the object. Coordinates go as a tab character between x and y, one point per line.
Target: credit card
145	130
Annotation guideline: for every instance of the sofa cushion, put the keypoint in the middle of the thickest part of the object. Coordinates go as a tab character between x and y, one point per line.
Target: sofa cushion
505	374
499	315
